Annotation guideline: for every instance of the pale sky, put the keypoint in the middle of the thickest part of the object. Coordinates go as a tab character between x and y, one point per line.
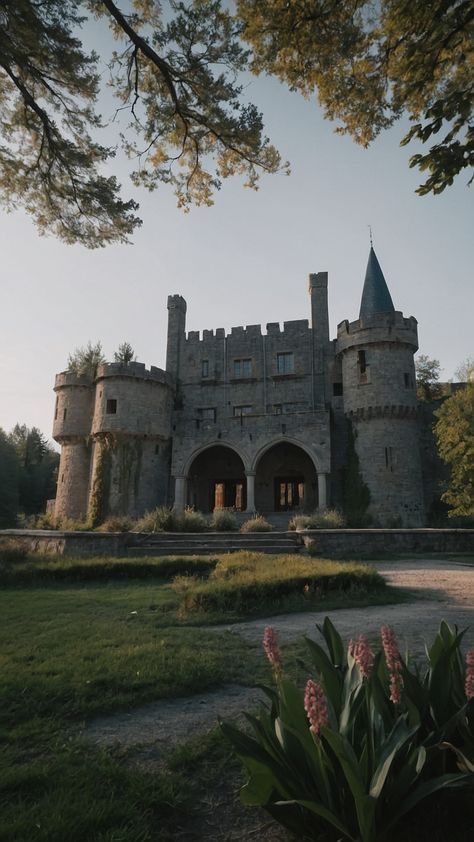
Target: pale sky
244	261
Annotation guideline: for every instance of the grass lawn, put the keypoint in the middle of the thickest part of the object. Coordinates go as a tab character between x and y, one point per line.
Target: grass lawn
79	637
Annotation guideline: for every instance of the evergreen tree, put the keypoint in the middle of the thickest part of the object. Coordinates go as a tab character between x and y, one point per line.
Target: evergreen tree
9	470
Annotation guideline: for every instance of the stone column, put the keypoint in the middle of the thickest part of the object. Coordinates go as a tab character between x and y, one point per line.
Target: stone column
250	491
179	494
322	492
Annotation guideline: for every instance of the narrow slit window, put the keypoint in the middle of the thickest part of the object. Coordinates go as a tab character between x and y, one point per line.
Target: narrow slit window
389	458
337	389
111	406
56	409
64	414
204	368
406	378
362	362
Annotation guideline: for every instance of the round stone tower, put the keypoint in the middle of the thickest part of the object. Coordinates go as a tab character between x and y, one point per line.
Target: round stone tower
379	391
72	424
131	439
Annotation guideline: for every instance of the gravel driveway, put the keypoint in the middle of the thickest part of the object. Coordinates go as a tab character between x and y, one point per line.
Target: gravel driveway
447	593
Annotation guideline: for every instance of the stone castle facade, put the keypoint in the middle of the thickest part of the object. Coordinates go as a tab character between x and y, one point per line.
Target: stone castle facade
253	420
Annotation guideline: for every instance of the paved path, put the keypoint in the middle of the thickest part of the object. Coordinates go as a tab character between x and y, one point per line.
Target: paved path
448	593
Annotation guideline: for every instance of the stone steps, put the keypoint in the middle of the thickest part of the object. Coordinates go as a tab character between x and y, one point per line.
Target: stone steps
207	543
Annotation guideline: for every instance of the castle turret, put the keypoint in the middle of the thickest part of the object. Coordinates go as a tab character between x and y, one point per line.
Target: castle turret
71	429
379	391
318	290
176	334
131	435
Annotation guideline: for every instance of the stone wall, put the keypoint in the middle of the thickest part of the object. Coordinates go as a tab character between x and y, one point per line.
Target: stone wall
347	543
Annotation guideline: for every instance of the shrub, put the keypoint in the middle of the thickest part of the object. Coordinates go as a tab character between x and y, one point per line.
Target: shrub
329	519
117	523
257	523
224	521
12	550
366	742
161	519
191	521
164	519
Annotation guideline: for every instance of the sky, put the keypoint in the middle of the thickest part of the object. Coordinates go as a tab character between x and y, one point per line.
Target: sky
246	260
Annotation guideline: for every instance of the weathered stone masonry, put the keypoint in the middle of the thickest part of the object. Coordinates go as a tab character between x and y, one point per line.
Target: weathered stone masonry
252	419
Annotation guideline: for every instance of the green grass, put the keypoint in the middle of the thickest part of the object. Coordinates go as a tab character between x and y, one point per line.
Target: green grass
243	583
71	649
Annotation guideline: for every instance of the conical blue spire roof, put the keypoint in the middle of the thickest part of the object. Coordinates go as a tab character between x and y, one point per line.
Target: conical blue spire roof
375	295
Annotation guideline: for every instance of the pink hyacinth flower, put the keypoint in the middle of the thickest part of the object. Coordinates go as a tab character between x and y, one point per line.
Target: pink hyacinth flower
316	707
394	663
469	682
270	645
363	655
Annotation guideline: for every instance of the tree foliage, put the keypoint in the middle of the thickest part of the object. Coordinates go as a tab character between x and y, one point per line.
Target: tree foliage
175	73
9	470
465	372
125	353
427	378
369	63
84	360
28	467
454	432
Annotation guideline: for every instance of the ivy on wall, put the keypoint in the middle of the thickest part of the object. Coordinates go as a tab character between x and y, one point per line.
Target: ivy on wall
356	495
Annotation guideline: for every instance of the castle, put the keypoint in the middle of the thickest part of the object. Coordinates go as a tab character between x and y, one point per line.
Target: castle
255	421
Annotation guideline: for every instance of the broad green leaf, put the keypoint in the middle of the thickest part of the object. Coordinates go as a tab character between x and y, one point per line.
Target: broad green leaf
331	677
398	737
326	814
364	803
333	641
259	787
423	790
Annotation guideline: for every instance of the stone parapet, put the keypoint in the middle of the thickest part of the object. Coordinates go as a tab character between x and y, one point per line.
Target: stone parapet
379	328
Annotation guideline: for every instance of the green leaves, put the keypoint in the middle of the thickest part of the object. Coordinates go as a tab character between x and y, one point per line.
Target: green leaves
375	762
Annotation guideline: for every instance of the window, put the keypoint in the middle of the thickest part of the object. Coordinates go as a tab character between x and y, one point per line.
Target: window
337	389
285	363
111	406
406	378
204	368
243	368
56	408
277	408
64	414
363	367
157	449
389	458
208	413
239	411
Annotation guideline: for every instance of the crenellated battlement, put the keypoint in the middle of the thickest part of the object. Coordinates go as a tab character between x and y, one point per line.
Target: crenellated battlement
378	328
135	370
291	328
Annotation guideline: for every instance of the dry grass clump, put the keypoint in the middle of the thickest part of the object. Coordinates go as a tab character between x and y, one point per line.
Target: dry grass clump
257	523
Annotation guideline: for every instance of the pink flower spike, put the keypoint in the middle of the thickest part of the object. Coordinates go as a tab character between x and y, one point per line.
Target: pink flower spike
316	707
270	645
394	663
363	656
469	682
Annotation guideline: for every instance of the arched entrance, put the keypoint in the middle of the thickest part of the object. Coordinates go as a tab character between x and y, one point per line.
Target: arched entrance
216	480
286	480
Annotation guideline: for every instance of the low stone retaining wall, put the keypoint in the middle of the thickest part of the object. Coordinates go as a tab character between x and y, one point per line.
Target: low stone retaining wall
343	543
349	542
70	543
